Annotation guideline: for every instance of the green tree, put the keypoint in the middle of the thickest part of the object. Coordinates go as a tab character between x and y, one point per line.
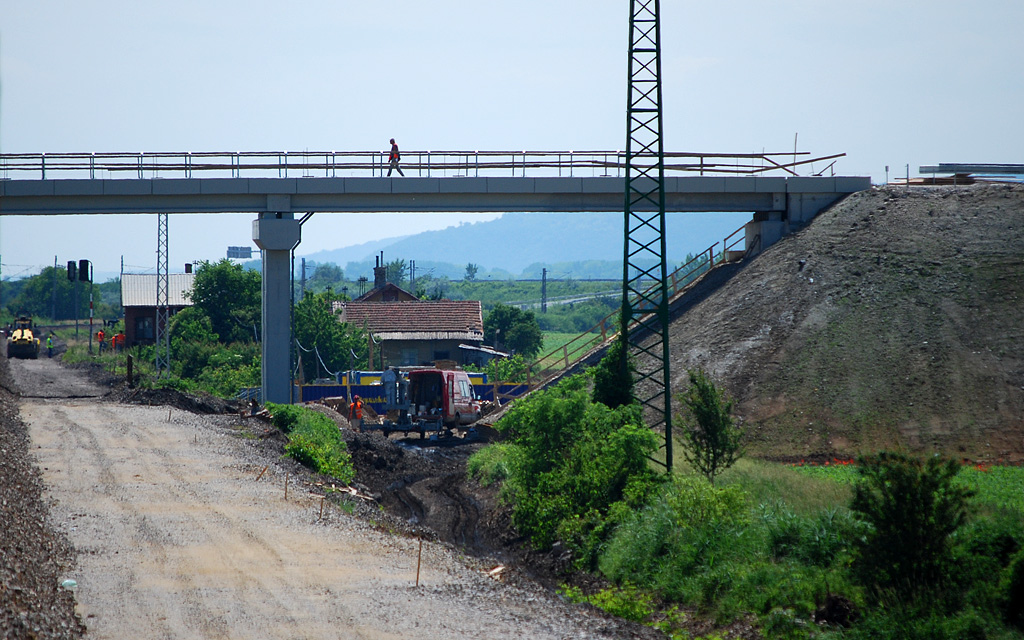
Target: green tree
326	275
326	341
613	377
471	270
193	342
711	439
396	272
229	296
911	509
515	329
35	296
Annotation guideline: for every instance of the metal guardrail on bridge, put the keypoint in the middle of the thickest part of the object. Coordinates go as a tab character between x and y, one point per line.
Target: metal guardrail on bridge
332	164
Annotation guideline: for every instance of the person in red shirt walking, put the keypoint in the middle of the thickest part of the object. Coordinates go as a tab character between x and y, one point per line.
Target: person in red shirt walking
394	158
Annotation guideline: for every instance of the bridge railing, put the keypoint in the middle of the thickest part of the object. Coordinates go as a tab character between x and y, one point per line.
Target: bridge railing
331	164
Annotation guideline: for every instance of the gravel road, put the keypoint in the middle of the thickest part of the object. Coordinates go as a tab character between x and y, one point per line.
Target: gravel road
177	536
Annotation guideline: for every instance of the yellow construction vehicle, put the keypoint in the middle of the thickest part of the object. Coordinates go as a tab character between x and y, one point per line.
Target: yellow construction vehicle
22	343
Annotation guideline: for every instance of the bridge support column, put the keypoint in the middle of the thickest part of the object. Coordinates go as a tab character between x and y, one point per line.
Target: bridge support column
276	234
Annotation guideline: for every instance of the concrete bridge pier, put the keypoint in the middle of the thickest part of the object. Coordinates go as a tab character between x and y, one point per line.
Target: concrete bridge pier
276	234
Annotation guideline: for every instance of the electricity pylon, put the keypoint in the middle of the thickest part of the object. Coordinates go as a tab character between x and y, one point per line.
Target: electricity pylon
645	307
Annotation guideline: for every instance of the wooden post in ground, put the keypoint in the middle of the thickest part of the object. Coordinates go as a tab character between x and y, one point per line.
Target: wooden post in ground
419	559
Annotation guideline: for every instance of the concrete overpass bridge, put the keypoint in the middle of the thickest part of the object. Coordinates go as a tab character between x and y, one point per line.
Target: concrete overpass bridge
276	186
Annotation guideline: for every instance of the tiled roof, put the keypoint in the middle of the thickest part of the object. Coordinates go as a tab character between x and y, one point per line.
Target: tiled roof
139	289
417	320
390	292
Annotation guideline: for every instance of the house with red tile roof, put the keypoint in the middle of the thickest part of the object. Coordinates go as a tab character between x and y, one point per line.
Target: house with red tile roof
419	332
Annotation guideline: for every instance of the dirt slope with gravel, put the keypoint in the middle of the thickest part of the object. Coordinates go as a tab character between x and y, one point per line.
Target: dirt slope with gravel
893	320
34	559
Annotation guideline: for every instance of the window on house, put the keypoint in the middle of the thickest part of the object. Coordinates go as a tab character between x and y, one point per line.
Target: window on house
442	355
144	329
409	357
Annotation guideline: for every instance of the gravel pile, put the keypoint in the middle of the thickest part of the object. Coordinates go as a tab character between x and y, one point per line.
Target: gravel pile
33	556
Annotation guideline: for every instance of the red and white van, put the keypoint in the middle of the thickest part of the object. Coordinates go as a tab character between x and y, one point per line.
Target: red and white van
443	392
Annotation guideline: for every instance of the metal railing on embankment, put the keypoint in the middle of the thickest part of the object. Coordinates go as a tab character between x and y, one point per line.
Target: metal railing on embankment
333	164
544	369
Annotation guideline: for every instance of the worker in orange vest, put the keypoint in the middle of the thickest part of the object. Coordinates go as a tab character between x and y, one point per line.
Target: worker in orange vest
99	338
355	413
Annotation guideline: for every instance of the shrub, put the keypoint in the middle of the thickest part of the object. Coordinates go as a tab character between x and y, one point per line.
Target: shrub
912	510
678	544
490	464
570	461
1012	589
812	540
613	377
314	440
903	623
626	602
711	438
285	416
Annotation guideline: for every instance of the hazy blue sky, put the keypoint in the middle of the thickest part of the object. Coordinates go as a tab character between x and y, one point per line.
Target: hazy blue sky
889	83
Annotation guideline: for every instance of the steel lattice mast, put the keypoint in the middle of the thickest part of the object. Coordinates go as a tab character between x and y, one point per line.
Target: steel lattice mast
645	307
162	333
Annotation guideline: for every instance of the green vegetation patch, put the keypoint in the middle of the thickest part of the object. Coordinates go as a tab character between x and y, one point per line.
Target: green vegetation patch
314	440
571	466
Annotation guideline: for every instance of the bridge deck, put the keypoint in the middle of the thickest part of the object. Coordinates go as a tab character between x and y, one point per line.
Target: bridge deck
410	194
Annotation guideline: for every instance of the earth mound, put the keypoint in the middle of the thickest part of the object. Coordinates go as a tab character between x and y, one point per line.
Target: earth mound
892	320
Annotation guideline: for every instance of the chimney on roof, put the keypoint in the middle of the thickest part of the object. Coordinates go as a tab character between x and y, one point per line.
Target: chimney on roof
380	272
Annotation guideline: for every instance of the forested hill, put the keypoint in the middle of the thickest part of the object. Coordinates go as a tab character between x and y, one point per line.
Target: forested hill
515	241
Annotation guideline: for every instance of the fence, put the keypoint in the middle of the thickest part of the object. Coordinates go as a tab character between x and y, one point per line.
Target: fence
332	164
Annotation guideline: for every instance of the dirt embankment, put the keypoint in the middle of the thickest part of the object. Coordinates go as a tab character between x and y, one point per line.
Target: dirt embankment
893	320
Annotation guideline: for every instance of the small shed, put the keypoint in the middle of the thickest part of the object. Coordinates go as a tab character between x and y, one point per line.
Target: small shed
138	299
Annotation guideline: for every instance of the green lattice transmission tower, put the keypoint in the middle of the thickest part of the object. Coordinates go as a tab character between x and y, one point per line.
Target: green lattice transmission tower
644	291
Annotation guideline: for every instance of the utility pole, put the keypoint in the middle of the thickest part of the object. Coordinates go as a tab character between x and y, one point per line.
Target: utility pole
645	311
53	302
302	285
544	290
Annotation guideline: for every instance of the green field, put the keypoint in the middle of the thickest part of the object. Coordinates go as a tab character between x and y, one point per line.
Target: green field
996	488
554	341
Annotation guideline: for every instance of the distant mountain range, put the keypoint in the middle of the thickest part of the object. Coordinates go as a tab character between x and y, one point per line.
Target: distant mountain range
521	244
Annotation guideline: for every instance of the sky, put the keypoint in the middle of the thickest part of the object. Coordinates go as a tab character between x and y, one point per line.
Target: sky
888	83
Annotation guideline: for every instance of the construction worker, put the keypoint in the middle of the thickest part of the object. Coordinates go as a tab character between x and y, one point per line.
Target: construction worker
393	158
99	339
355	413
49	345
